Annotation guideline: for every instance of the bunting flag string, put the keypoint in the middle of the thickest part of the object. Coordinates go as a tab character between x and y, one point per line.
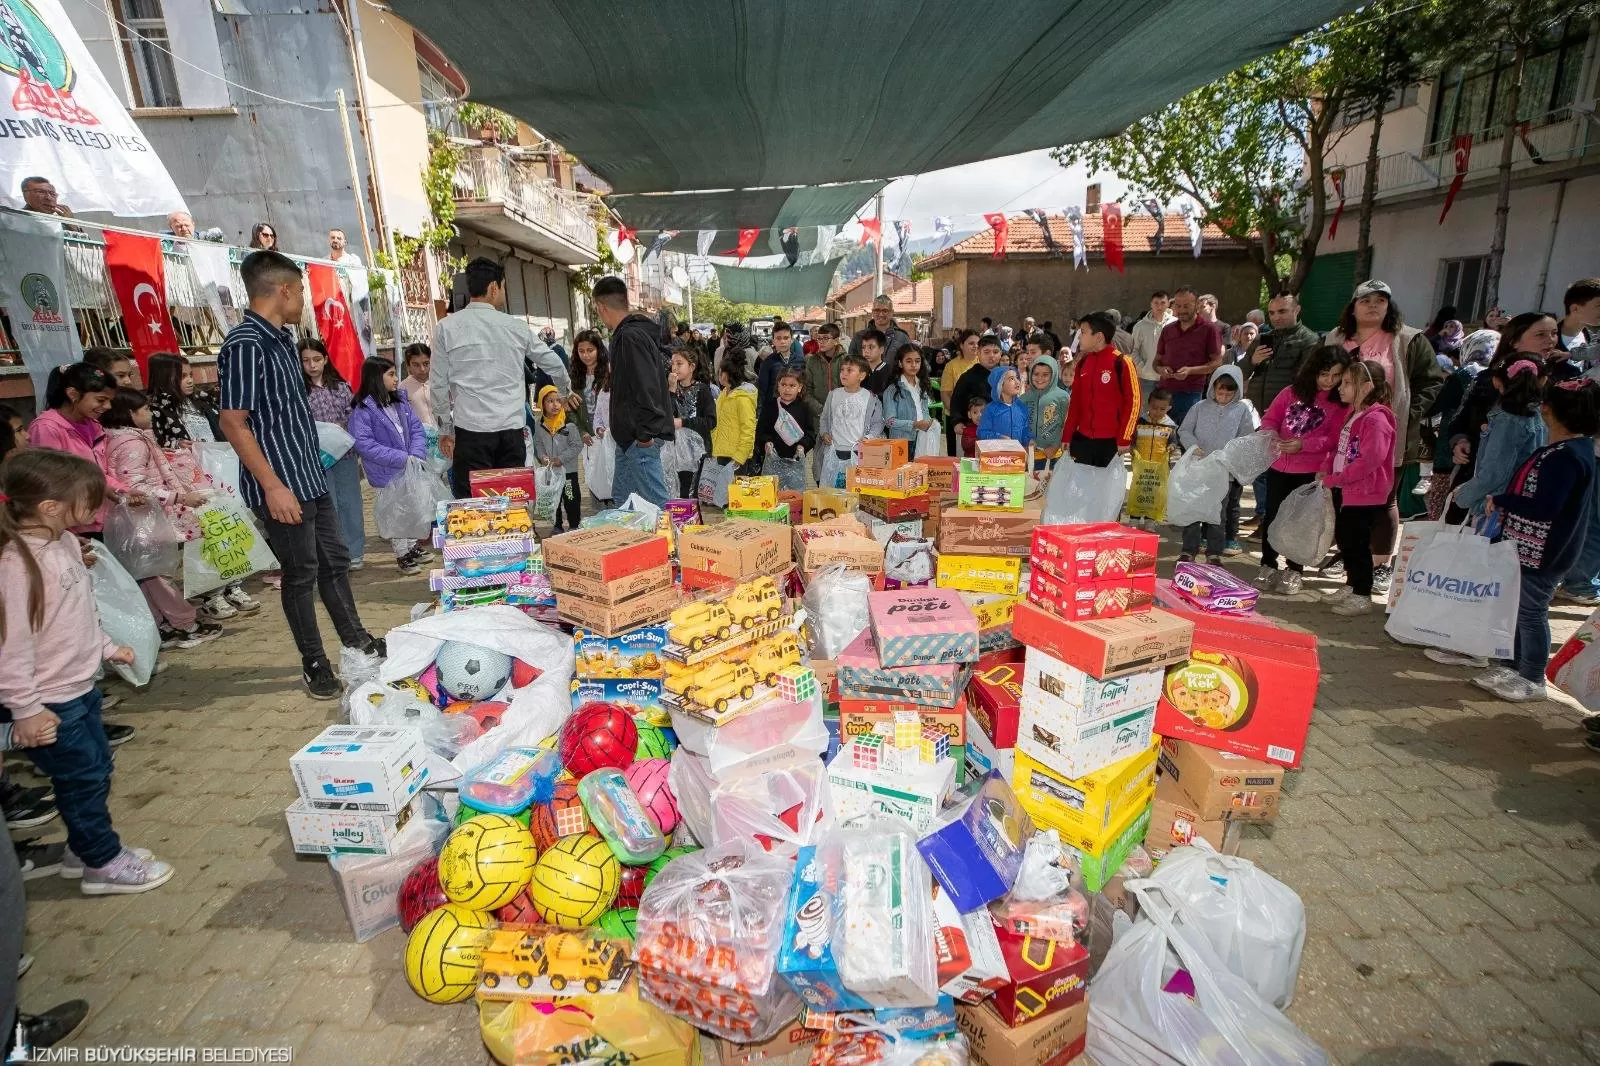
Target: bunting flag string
1039	216
943	229
1080	257
999	223
702	243
1196	231
790	243
660	242
871	230
902	232
1111	235
1158	213
747	240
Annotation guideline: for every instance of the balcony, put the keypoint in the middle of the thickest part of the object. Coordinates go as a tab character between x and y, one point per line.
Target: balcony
509	201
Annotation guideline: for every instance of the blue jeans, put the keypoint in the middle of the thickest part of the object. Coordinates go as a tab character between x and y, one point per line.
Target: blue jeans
1181	402
78	765
1532	648
1261	491
1584	577
344	485
638	470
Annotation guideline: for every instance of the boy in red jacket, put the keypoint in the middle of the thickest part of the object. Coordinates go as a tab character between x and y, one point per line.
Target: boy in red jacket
1104	408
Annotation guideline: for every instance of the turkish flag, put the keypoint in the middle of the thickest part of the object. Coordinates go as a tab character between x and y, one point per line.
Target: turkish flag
747	241
1463	159
1337	177
871	230
139	277
999	223
1111	235
334	322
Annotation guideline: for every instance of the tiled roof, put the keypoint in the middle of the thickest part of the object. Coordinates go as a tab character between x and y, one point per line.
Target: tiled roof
1024	237
915	299
810	314
891	280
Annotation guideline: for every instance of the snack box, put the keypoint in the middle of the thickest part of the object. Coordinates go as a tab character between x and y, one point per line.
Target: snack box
915	627
862	675
858	717
514	572
894	509
636	653
753	493
997	574
1046	976
791	1047
361	768
513	482
805	955
967	950
992	610
916	794
975	850
370	884
614	619
1099	865
884	454
843	540
963	531
981	756
604	553
736	549
907	479
317	832
1048	730
942	471
1175	822
1248	688
1214	589
1086	811
795	503
640	695
778	512
1089	698
883	532
1055	1039
1081	601
582	585
997	702
819	505
682	513
1002	456
1094	551
1107	647
1220	784
978	490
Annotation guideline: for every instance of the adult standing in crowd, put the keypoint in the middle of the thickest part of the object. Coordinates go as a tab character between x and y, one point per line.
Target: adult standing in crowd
264	237
267	419
1580	322
1146	335
1208	314
894	338
1242	339
781	355
1272	363
1188	350
339	252
643	422
480	391
965	357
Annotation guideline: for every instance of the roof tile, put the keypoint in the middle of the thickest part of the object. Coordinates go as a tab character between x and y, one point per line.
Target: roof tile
1024	237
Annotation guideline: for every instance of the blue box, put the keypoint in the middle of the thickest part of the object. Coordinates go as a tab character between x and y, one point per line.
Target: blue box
976	850
636	653
639	695
805	958
906	1023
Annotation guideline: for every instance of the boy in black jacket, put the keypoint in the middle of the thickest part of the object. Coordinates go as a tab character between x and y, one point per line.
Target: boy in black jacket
642	422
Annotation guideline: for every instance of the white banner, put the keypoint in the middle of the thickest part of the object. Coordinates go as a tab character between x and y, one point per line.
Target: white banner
60	120
361	308
215	274
33	290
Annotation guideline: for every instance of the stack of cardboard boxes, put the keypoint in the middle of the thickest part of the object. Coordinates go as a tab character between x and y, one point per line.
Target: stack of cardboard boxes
608	579
893	492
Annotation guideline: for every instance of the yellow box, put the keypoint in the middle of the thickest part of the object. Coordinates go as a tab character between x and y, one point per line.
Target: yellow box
980	573
820	505
991	610
1087	811
753	494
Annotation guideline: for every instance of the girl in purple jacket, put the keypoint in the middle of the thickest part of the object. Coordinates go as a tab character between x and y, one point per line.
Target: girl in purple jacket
388	434
1361	473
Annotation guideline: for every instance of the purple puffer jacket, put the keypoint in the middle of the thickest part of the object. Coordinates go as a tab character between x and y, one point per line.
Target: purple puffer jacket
379	442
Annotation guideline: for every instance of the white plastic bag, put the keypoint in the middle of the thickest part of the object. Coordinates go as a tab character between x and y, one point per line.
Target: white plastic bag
549	483
406	506
680	455
1079	492
144	540
1196	490
220	463
1135	1020
230	547
1302	530
715	477
599	463
1255	923
1575	667
125	616
1461	595
836	609
930	441
781	809
1247	458
333	442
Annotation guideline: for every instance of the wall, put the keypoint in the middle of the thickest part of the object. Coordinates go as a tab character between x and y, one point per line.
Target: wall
399	132
537	291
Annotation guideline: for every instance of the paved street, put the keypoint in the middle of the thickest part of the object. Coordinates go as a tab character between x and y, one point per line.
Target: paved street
1447	848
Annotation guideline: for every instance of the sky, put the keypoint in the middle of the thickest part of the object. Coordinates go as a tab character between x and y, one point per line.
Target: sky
1010	183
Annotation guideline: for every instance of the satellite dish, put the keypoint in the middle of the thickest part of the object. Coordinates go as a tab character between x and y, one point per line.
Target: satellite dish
680	276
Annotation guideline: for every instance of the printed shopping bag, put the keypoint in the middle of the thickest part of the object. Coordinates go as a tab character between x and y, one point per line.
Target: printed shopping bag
1147	493
230	547
1411	535
1461	594
715	477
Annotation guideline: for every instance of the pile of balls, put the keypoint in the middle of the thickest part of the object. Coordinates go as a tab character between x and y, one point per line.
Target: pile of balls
547	864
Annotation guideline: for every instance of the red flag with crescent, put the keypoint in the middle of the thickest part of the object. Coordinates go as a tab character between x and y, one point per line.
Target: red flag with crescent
1000	224
338	329
1463	159
871	230
139	278
1336	176
1111	235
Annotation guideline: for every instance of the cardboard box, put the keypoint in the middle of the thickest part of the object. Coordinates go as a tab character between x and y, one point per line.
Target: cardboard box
964	531
1053	1040
1081	601
805	955
967	951
997	702
1046	976
1089	698
636	653
638	695
1048	731
981	756
315	832
1002	456
976	849
1220	784
1094	551
1248	688
980	490
1175	822
778	512
623	588
858	717
604	553
795	502
1106	647
514	482
883	454
819	505
992	610
842	540
1087	811
915	627
361	768
908	479
1100	865
862	675
916	794
894	509
736	549
996	574
370	885
791	1047
613	619
753	493
942	471
883	532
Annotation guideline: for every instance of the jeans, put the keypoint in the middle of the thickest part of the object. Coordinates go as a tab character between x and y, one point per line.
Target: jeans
638	470
1181	402
313	555
78	765
570	503
13	916
1352	532
1279	485
344	485
1532	647
1260	490
1584	577
484	451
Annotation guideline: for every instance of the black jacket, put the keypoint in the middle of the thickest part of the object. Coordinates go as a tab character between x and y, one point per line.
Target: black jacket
641	409
974	381
767	429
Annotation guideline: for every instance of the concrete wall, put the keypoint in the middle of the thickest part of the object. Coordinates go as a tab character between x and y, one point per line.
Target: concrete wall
399	132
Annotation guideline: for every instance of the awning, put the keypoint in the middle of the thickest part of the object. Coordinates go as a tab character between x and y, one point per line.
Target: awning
780	287
740	94
736	209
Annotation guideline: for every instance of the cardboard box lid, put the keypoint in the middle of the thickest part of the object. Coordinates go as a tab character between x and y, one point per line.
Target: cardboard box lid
1286	644
585	548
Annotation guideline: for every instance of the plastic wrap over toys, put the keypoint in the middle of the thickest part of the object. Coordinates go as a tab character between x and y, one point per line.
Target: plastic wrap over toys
779	811
836	607
781	736
613	1027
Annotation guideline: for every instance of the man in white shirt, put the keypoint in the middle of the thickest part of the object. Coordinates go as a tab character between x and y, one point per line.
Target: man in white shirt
337	252
1146	333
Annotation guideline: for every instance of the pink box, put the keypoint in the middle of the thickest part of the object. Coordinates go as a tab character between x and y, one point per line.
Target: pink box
922	627
862	677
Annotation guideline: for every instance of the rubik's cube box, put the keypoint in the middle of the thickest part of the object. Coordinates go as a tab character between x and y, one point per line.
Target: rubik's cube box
1094	551
998	574
976	849
1081	601
862	675
1087	811
1106	647
1046	976
858	717
918	627
360	768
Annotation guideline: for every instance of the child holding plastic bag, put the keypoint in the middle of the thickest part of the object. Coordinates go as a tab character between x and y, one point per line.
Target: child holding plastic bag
1155	449
51	647
330	398
850	414
387	433
784	434
557	444
1514	432
1361	473
1210	424
1306	417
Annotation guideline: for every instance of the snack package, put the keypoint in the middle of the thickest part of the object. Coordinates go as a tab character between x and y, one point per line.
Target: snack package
622	1027
1214	588
1045	902
870	1047
619	816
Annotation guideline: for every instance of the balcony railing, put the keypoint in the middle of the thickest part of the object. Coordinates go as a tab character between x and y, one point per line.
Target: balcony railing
488	176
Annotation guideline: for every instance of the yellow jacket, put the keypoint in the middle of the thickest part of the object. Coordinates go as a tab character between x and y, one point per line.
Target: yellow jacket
734	435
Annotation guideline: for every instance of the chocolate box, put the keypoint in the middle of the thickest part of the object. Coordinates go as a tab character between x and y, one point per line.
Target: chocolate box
736	549
884	454
1094	551
967	532
1081	601
1055	1039
1002	456
1220	784
1087	811
942	472
612	619
858	717
894	509
862	675
992	610
604	553
997	702
514	482
915	627
1214	589
1106	647
753	493
1175	822
595	590
1048	730
997	574
908	479
966	950
1046	976
976	849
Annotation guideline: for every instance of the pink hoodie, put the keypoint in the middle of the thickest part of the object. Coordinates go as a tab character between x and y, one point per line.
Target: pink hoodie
58	663
1315	425
52	430
1362	464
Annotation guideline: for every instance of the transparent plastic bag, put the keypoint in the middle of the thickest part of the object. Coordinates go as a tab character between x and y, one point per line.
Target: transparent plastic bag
791	473
406	506
125	617
1047	901
1081	493
1302	530
144	540
1196	489
549	483
911	560
230	547
219	463
587	1030
836	609
780	810
1248	457
334	442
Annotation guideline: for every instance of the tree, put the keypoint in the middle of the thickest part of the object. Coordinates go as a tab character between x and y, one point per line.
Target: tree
709	306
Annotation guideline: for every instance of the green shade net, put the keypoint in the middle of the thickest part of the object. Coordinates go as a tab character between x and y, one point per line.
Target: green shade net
781	287
737	209
737	94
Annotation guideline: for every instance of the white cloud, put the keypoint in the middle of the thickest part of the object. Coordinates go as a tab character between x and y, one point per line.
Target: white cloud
1010	183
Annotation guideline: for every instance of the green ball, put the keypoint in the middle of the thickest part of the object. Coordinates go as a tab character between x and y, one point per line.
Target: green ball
621	922
653	743
466	811
661	862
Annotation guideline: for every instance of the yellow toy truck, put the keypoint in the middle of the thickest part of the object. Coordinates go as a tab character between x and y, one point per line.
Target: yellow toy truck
720	684
466	524
512	521
694	625
773	654
562	958
755	601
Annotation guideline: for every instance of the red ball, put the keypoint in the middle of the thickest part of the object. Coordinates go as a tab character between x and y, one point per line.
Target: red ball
420	893
598	736
487	714
633	879
520	911
562	815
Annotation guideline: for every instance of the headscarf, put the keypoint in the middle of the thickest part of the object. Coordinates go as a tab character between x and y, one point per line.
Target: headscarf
552	425
1479	346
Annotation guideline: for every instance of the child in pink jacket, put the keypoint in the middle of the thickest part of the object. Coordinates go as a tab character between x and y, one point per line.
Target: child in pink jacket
77	395
1361	473
1307	417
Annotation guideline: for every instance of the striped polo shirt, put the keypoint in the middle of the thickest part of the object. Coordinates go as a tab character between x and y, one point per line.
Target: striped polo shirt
259	371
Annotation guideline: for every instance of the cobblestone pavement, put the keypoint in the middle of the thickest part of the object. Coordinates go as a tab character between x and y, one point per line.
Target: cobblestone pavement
1447	847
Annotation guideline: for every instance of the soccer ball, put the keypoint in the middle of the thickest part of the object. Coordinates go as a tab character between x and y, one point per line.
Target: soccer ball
598	736
420	893
576	881
444	953
486	862
560	816
653	743
468	672
649	782
620	922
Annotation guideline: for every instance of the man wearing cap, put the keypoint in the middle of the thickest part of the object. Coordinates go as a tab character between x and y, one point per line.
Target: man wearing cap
883	321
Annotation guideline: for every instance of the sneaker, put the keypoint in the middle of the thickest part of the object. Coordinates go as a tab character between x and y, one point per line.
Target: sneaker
1290	582
408	564
218	608
1592	741
376	646
242	601
1185	558
1353	604
1266	577
108	700
273	580
118	734
1233	547
26	808
1591	724
72	866
1214	560
171	638
39	860
1332	566
24	964
1381	576
357	564
1517	689
318	678
202	633
1455	658
125	875
55	1026
1493	676
1582	599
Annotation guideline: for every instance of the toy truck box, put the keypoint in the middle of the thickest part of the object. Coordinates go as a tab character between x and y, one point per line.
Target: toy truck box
361	768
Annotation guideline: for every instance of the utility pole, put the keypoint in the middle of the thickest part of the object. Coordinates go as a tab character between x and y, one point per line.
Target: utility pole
688	290
357	186
878	290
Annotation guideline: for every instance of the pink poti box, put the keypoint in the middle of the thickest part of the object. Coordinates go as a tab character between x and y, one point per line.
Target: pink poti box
922	627
863	677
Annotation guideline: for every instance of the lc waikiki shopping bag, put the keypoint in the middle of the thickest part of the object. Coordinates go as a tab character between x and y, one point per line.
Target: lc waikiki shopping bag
230	547
1147	492
1461	595
1575	669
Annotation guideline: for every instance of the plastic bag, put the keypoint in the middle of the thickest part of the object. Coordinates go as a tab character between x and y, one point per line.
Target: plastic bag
909	560
681	455
1046	901
783	736
406	506
333	442
1141	1011
836	609
1302	530
1196	489
1081	493
781	810
791	473
1147	489
356	668
584	1029
219	463
1575	667
599	462
1461	595
230	547
125	616
1248	457
550	482
710	927
1255	923
715	477
832	475
144	540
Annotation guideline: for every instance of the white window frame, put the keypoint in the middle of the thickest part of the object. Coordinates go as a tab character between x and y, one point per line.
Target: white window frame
152	32
1469	308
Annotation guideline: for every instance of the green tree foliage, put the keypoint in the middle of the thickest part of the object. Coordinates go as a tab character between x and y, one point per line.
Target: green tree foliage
709	306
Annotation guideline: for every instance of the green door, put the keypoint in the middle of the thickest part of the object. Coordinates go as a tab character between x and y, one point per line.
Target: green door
1327	290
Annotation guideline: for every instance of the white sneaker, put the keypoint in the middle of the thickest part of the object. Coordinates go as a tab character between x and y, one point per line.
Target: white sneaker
1518	689
1334	596
1455	658
217	607
1290	582
1353	605
126	874
242	600
72	866
1493	676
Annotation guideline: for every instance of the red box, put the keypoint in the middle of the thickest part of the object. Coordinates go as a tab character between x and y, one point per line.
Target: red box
795	502
605	552
890	509
1106	647
1046	976
1268	675
1079	601
515	482
1094	551
996	699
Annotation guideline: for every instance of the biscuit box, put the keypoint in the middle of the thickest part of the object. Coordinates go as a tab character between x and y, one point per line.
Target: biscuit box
1175	822
963	531
638	695
884	454
361	768
1249	688
858	717
736	549
819	505
1214	589
1053	1040
1081	601
915	627
1045	976
314	832
980	490
513	482
1002	456
805	955
622	588
1087	810
981	757
883	532
966	951
916	794
891	509
795	502
1090	697
992	610
791	1047
778	512
1094	551
604	553
998	574
908	479
1100	865
1106	647
753	493
614	619
862	675
1221	784
837	540
942	470
636	653
976	849
1048	730
997	702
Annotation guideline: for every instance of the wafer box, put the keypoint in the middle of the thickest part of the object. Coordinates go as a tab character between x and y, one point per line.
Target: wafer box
1106	647
1094	551
1049	732
1085	698
1087	811
914	627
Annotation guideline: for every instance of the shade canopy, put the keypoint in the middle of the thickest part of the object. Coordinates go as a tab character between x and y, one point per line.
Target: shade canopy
736	209
738	94
781	286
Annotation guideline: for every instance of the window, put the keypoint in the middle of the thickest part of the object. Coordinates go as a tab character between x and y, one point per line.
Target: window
148	51
1475	101
439	100
1461	286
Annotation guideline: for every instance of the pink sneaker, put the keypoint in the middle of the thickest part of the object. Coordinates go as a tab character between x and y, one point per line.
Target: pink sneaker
72	867
126	874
